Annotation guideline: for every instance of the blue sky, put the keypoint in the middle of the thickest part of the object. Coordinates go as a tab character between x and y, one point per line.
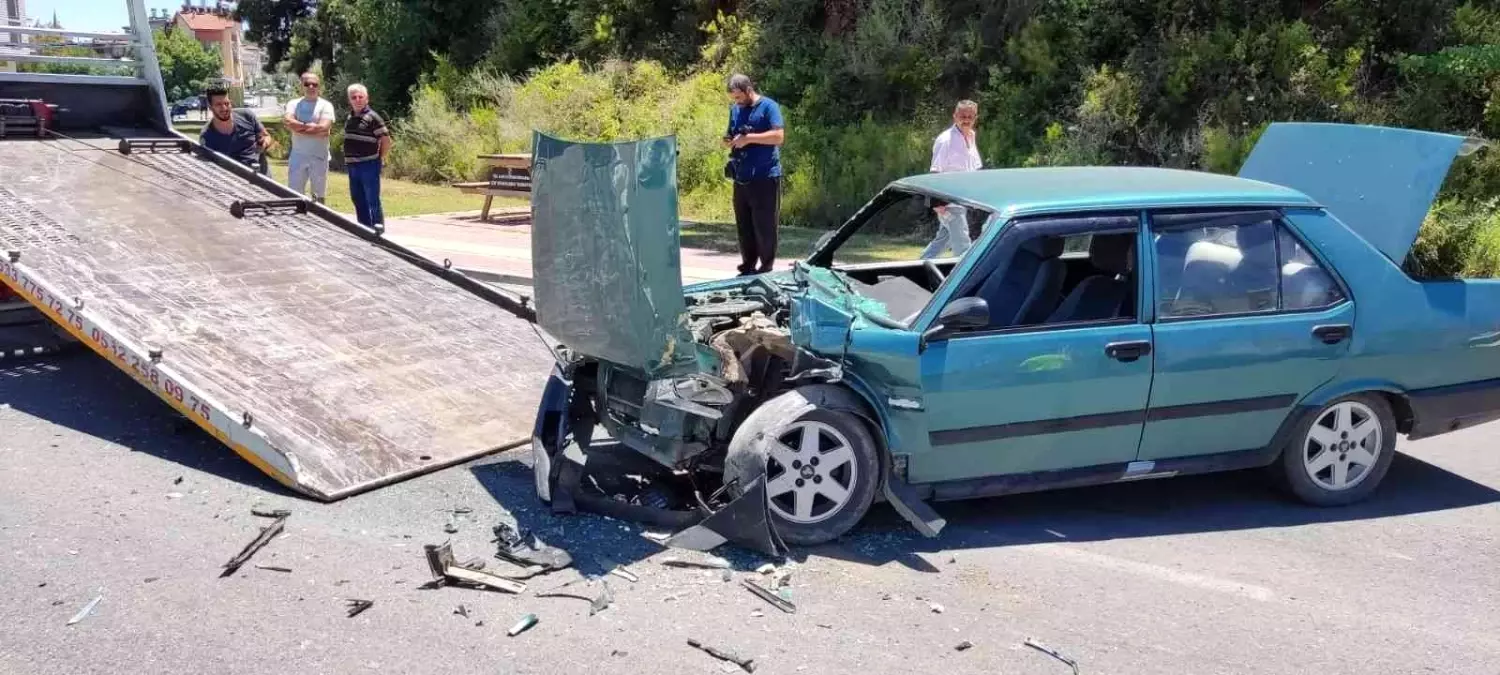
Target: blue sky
92	15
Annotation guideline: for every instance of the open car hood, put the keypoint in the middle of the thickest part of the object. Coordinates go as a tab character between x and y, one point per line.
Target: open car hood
605	255
1379	181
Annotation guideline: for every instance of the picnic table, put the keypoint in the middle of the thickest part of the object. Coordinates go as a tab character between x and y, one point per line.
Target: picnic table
509	176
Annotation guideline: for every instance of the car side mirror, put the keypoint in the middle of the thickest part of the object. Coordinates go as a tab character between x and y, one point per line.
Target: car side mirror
958	315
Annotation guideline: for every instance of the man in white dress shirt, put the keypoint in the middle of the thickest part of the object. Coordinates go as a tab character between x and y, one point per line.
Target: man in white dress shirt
954	150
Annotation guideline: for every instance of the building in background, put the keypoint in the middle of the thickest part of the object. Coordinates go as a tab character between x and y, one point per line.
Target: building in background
12	13
214	26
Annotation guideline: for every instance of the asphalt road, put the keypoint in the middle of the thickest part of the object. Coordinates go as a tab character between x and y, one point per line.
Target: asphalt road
1195	575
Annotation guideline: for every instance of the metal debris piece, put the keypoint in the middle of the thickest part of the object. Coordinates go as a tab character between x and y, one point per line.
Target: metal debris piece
620	571
936	608
460	510
87	609
278	513
450	528
747	664
273	568
766	594
713	563
597	603
1052	653
177	480
526	549
462	611
445	569
767	568
260	541
963	646
521	626
356	606
656	537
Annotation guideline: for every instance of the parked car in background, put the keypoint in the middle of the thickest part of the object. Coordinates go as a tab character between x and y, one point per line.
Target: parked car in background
1109	324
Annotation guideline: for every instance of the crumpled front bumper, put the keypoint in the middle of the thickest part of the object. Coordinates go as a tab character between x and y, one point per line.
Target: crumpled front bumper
561	452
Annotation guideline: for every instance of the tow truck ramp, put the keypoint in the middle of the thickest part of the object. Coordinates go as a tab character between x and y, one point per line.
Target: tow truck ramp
331	358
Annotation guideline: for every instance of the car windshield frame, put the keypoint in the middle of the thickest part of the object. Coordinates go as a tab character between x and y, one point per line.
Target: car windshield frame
828	245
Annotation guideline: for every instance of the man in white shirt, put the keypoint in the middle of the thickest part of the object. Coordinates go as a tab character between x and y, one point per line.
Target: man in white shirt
309	119
954	150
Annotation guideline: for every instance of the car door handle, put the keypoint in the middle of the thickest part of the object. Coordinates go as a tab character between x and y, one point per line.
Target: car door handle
1127	351
1333	334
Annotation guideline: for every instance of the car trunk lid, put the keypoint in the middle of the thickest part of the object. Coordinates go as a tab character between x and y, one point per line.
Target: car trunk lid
1379	181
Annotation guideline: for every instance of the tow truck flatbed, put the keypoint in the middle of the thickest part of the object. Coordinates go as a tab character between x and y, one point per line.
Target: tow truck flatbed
330	358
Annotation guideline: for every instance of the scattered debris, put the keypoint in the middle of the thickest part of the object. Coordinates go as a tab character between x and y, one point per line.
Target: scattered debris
712	562
174	495
747	664
152	579
524	624
273	568
598	603
826	625
461	510
42	585
617	652
767	568
445	569
936	608
727	576
525	549
177	481
620	571
462	611
781	579
278	513
656	537
1052	653
450	528
356	606
766	594
261	540
757	613
86	610
963	646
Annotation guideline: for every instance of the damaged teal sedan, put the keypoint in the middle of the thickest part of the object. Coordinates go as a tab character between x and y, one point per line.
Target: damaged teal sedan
1109	324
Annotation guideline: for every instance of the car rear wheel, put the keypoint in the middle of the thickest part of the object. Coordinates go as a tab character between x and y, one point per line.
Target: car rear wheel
1341	453
821	467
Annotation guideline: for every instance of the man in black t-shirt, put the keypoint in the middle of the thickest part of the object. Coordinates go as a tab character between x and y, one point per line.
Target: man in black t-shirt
237	134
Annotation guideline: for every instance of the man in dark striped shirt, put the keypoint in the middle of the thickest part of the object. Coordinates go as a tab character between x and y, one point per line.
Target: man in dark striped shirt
366	144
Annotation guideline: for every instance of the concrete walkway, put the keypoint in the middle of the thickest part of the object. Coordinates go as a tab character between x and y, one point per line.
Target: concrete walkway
502	248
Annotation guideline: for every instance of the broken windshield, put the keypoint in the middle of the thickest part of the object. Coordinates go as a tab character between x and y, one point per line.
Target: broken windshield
898	226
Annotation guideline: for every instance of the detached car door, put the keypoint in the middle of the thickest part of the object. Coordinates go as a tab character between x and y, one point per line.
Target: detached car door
1248	321
1060	377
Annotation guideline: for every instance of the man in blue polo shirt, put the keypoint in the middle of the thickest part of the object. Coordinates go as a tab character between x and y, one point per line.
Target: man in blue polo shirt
754	137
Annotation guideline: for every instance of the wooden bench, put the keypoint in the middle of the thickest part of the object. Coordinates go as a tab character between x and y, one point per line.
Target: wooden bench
509	176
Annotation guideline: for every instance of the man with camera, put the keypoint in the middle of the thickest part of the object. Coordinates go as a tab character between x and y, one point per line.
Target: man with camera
754	137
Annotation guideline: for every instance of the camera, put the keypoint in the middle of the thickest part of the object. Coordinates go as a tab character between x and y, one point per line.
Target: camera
731	167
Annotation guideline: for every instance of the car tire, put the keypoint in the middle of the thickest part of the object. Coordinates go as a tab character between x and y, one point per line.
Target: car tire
822	466
1358	435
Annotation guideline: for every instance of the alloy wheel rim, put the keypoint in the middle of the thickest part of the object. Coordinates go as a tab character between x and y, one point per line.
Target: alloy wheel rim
1342	446
811	472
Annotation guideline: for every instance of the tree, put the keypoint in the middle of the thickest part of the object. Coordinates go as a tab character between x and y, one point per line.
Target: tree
186	65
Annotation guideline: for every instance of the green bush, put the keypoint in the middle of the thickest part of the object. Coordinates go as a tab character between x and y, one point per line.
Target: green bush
1459	239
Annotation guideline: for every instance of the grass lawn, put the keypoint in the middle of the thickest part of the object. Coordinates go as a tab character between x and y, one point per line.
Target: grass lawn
398	197
797	242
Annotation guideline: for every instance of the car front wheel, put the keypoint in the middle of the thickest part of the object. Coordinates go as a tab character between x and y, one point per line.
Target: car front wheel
821	466
1340	454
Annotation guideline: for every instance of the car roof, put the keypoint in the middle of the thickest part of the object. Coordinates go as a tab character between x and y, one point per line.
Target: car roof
1014	192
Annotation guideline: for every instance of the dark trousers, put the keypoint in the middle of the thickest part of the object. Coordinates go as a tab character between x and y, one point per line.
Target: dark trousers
757	212
364	189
